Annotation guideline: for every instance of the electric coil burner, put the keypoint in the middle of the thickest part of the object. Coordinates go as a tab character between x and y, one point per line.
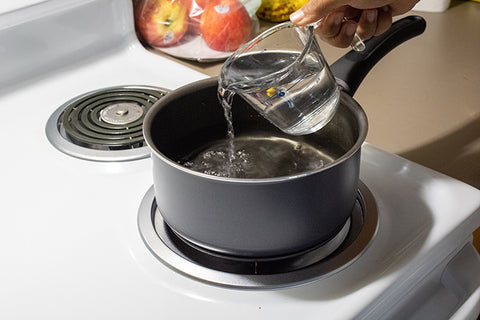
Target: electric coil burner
104	125
260	273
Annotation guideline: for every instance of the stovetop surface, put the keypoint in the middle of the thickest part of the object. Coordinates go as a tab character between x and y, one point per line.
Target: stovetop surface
70	243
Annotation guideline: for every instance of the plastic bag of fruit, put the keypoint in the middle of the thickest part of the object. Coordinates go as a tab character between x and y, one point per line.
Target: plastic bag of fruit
202	30
278	10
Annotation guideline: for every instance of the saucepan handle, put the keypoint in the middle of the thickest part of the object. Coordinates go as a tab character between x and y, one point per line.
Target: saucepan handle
351	69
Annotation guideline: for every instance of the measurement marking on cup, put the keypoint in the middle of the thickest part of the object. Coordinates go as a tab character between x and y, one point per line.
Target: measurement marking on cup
282	93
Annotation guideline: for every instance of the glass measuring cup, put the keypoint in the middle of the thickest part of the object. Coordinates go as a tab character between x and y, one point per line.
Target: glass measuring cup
283	74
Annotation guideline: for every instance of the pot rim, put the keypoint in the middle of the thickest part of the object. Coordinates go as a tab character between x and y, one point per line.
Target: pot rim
353	105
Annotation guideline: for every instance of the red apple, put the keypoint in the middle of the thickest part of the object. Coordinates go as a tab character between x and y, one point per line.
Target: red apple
195	14
225	25
202	3
162	23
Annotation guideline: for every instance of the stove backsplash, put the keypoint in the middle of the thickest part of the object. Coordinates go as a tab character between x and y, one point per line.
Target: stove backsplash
41	38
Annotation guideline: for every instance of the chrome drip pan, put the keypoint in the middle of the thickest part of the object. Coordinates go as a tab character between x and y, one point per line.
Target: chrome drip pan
216	269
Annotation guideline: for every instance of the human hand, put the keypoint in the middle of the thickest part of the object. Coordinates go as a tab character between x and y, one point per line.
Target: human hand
341	19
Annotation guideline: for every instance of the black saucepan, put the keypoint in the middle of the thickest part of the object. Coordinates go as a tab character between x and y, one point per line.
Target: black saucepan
265	217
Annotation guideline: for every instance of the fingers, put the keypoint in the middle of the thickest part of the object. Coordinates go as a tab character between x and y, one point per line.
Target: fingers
331	25
401	7
384	20
373	22
335	31
367	18
366	23
314	10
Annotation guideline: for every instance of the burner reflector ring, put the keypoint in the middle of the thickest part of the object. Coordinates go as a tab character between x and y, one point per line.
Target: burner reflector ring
158	239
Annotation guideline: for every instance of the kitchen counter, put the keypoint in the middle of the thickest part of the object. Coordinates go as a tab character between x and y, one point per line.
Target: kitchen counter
423	99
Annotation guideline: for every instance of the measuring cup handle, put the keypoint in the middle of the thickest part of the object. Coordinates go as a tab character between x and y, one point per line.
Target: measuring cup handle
351	69
357	43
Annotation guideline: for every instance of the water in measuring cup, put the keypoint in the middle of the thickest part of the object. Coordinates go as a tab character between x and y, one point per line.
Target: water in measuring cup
299	99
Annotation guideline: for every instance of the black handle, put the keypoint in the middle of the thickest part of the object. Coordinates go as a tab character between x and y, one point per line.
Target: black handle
351	69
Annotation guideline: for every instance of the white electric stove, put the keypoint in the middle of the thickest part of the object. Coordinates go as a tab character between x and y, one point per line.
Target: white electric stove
75	243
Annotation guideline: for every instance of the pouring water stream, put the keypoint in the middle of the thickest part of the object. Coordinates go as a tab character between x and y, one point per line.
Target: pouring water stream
276	83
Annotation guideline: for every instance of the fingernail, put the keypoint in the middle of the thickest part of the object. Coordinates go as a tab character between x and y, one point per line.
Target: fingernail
350	29
371	15
297	16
